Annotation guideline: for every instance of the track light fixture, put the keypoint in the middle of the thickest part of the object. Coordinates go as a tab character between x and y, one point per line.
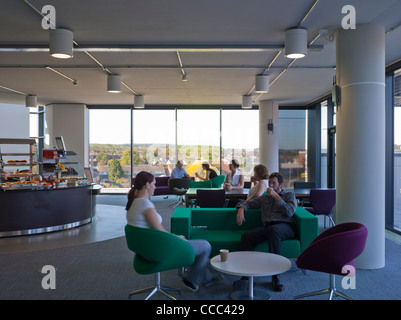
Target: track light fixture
61	43
31	101
139	102
246	102
114	83
262	84
296	45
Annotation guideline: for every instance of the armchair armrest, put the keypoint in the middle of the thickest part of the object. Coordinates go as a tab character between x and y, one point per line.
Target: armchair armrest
181	222
307	227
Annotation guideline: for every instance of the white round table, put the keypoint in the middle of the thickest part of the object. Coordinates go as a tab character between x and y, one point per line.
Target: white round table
251	264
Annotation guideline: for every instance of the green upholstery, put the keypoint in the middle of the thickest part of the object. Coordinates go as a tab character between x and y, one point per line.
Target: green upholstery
157	251
219	227
200	184
218	181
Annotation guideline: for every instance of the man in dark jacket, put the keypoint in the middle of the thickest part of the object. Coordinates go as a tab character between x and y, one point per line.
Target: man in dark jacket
277	214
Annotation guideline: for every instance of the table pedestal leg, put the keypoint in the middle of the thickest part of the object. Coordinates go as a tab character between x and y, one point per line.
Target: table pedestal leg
256	294
250	287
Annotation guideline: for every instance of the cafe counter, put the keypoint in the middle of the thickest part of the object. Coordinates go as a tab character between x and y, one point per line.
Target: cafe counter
25	212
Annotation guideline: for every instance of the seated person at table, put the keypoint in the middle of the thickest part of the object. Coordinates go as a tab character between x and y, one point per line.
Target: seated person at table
179	172
141	213
277	213
261	180
210	173
234	179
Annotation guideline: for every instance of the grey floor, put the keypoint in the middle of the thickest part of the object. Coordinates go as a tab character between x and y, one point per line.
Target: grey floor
109	223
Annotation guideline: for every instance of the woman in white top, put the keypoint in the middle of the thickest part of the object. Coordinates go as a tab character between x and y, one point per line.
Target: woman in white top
234	179
141	212
261	179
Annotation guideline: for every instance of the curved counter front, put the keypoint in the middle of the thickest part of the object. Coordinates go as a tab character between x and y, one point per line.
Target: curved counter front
36	211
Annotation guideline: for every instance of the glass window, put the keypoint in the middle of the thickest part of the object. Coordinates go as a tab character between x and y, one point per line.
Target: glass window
109	143
292	146
161	137
240	140
36	116
397	149
154	141
323	146
198	139
33	125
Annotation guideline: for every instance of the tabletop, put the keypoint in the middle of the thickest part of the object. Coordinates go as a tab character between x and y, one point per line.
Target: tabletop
233	192
251	263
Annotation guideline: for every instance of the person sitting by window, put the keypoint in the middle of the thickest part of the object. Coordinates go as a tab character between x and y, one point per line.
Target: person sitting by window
179	172
261	180
234	179
210	173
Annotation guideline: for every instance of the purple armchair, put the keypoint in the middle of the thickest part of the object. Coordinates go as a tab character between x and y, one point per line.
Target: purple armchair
161	186
323	202
331	251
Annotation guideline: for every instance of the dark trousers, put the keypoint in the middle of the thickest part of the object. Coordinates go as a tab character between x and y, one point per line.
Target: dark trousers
273	232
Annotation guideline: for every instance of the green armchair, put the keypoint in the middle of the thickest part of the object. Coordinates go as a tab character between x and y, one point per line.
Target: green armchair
215	182
157	251
218	181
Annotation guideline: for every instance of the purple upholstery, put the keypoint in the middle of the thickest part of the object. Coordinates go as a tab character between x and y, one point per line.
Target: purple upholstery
161	185
210	198
334	248
322	201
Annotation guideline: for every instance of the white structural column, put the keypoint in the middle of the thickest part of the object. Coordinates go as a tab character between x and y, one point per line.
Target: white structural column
268	139
360	122
72	122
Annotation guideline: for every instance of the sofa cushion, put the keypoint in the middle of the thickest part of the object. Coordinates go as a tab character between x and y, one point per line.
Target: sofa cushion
218	239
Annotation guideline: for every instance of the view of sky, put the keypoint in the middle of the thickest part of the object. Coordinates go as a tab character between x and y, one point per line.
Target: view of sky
158	126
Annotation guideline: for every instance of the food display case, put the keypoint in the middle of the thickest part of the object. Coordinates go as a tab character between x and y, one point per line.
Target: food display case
17	168
30	204
64	166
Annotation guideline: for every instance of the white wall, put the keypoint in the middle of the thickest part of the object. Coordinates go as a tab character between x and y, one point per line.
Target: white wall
14	124
70	121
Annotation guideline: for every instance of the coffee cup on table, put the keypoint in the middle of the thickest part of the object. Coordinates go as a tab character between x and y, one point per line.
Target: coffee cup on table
223	255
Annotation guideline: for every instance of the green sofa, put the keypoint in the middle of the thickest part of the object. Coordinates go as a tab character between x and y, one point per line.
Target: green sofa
219	227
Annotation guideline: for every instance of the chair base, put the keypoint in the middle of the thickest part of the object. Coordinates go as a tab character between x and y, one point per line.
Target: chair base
176	204
332	291
158	288
331	220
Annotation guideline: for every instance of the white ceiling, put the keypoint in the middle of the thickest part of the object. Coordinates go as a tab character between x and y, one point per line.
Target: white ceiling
215	77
